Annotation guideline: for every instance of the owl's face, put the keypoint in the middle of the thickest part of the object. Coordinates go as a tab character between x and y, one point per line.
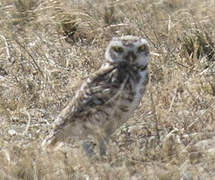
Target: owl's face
131	50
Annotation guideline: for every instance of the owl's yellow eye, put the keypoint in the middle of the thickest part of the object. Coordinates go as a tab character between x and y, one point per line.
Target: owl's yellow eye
142	48
118	49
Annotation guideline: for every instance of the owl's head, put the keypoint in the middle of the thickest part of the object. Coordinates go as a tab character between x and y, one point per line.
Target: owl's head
128	49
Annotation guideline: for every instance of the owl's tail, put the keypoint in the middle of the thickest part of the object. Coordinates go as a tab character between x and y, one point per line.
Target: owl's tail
52	141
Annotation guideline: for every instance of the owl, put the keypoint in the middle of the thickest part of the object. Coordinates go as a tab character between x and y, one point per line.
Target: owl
107	98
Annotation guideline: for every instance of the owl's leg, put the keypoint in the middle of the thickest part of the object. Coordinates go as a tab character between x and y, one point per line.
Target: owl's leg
87	146
102	146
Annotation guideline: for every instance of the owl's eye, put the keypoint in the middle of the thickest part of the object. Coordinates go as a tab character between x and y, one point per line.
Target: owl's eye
141	48
118	49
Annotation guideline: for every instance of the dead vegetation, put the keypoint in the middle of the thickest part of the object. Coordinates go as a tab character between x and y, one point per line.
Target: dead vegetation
46	47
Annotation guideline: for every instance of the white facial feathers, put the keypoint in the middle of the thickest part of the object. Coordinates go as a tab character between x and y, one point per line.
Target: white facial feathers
129	49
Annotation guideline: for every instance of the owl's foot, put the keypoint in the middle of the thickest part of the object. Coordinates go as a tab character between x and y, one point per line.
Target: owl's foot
87	146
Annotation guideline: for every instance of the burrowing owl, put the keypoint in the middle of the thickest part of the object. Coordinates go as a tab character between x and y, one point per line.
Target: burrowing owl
108	98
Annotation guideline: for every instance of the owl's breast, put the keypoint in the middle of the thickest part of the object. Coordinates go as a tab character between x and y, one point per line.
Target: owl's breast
126	86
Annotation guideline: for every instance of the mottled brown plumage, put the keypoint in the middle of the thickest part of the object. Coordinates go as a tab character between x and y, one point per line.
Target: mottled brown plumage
107	98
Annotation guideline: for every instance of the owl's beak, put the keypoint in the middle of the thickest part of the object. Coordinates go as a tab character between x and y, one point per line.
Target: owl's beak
130	57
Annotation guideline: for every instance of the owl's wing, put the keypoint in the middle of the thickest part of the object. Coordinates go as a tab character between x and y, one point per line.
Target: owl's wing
95	91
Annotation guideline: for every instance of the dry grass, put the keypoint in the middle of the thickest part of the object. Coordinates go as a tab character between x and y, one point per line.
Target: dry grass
48	46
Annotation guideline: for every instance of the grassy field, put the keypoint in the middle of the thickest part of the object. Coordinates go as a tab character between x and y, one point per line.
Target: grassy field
47	47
